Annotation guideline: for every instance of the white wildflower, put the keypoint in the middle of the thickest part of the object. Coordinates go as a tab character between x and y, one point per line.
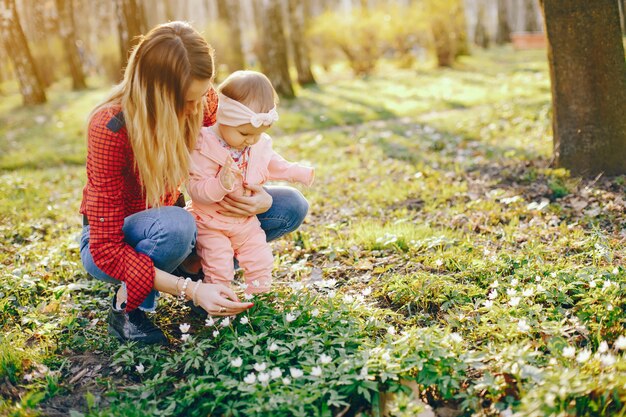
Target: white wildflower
553	361
615	271
607	284
185	337
315	312
244	320
569	351
276	373
439	262
540	288
456	338
607	360
515	282
592	283
348	299
495	284
620	343
609	307
386	356
367	291
511	292
522	326
260	367
184	328
391	330
583	356
553	274
604	347
290	317
493	294
225	322
248	297
216	333
316	371
237	362
140	368
528	292
537	278
286	380
209	322
273	347
325	359
250	378
514	302
295	373
331	294
263	377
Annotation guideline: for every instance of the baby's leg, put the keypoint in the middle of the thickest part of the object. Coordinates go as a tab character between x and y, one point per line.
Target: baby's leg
216	253
254	255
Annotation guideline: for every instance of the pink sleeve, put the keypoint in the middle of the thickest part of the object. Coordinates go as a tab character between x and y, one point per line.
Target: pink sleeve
280	169
204	185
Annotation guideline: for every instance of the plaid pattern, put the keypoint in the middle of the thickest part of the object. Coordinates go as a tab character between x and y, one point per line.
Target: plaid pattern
112	193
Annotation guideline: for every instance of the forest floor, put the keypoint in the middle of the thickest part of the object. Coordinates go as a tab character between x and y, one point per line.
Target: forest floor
442	251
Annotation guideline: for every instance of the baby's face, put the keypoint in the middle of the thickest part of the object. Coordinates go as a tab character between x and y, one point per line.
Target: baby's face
241	136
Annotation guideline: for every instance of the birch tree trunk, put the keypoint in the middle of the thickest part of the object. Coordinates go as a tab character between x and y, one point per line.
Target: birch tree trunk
586	59
131	22
15	44
68	35
230	13
503	34
298	20
272	48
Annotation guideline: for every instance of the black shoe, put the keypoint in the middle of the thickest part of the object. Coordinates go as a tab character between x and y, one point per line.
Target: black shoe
135	327
180	272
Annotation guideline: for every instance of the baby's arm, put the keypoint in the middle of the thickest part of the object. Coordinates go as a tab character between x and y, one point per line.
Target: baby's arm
205	185
280	169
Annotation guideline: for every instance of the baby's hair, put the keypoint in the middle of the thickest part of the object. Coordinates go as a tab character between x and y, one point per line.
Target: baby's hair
250	88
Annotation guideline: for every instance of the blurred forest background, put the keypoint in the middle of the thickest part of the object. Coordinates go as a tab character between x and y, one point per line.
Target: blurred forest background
89	41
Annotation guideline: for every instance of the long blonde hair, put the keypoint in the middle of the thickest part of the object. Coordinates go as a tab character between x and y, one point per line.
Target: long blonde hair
152	96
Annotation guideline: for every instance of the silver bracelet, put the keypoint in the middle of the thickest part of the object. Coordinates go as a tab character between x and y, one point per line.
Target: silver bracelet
181	296
193	292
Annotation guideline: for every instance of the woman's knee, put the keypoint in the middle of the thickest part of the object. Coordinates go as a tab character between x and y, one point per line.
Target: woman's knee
299	207
179	227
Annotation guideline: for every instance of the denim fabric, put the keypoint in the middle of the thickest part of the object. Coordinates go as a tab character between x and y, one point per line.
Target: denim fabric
168	234
287	213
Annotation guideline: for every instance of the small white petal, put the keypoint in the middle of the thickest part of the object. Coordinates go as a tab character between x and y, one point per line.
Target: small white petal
286	380
260	367
216	333
273	347
244	320
583	356
250	378
236	363
569	351
295	373
209	322
264	377
316	371
184	328
315	313
604	347
325	359
185	337
276	373
620	343
140	369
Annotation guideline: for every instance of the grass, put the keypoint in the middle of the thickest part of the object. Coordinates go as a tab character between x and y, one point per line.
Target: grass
442	248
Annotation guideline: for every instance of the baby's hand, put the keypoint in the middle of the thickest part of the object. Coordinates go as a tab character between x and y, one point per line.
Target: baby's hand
227	174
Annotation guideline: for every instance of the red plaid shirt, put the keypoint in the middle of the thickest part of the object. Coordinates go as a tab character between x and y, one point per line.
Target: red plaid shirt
112	193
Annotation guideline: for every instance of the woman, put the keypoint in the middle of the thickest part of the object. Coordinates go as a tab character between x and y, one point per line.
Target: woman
139	139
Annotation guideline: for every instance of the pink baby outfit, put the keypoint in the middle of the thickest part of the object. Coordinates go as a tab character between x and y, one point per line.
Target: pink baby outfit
221	237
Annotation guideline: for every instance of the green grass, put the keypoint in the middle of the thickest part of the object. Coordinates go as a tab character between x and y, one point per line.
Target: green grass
441	247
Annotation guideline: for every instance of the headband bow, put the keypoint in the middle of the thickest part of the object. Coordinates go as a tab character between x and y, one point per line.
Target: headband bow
232	113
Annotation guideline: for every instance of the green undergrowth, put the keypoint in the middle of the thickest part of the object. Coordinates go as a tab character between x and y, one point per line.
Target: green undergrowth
443	259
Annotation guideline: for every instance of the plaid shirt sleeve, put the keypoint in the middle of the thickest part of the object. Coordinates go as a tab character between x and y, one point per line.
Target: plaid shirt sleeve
211	108
108	154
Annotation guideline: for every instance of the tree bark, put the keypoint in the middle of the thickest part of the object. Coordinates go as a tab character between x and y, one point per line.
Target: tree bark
298	20
26	69
230	13
622	10
503	34
460	29
272	47
586	58
131	22
68	35
481	36
531	23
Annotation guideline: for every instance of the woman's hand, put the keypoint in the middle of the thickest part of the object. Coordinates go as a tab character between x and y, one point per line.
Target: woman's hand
245	206
219	300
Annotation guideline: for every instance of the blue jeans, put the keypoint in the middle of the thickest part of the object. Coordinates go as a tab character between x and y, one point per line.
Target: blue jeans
168	234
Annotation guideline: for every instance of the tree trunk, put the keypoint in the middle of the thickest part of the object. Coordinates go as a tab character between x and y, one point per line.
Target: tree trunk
460	29
503	34
15	44
68	34
622	11
481	36
229	12
298	20
272	48
586	59
131	22
531	23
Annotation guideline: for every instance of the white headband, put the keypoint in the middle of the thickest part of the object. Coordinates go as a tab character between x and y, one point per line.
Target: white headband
232	113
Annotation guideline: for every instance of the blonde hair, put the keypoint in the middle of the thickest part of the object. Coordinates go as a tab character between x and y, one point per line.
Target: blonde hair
250	88
152	96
